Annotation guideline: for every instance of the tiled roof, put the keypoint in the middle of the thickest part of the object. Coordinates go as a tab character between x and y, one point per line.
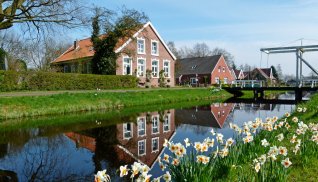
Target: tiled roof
199	65
84	47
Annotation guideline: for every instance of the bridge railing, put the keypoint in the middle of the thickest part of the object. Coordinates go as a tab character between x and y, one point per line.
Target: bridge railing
308	83
248	83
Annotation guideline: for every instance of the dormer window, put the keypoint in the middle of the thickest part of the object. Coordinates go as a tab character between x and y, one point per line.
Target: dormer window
141	46
154	48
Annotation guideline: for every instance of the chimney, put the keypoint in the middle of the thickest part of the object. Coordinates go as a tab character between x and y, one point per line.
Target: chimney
75	44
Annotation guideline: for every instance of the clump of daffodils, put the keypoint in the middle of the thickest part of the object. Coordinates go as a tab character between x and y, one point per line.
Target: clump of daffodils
102	176
136	170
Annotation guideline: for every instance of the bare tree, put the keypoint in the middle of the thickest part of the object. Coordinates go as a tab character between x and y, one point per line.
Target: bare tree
201	50
41	15
229	58
173	49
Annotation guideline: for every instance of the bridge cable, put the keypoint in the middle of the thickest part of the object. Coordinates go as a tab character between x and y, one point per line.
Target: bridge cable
267	60
260	64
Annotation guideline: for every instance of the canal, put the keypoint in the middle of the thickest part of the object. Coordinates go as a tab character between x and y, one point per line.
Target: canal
77	152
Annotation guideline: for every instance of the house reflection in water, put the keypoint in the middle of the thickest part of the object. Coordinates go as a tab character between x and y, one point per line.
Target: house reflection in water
140	140
213	115
143	141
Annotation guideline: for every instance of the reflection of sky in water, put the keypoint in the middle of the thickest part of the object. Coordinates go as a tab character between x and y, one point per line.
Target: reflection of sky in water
60	159
50	159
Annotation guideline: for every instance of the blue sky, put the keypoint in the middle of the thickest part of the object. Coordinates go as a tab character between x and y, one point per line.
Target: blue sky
240	26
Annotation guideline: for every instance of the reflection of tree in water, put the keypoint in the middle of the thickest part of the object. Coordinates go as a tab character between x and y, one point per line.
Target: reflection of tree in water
9	176
106	141
3	150
42	160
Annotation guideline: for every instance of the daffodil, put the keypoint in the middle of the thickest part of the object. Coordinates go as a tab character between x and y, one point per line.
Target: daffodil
167	176
166	158
286	163
123	171
262	159
187	142
101	176
282	151
280	137
264	142
257	167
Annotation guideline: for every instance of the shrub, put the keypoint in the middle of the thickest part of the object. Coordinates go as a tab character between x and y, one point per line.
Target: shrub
32	80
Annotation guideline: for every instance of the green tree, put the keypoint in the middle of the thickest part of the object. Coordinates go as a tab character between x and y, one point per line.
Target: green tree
2	59
274	71
124	26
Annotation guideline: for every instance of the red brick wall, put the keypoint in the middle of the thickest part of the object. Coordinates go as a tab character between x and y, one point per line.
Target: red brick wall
148	34
227	74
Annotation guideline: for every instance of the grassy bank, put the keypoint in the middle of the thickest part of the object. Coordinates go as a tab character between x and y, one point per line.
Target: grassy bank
290	152
19	107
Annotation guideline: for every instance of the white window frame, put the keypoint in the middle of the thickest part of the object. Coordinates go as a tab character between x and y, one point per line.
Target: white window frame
225	80
219	69
139	145
125	128
223	69
165	124
139	129
130	64
157	42
195	80
169	68
152	72
152	142
152	124
217	80
144	43
139	66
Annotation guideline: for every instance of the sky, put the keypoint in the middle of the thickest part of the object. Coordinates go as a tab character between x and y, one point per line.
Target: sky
241	27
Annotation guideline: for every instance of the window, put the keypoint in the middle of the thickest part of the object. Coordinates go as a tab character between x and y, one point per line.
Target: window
225	80
155	144
142	147
141	122
154	68
66	69
217	80
141	67
219	69
127	66
166	123
223	69
223	113
154	48
155	124
127	128
166	68
193	80
219	114
141	46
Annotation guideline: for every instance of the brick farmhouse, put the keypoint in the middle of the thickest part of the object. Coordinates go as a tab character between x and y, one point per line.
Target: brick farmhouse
204	70
147	51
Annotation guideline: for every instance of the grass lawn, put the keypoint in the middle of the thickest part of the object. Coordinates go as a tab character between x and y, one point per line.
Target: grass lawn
26	106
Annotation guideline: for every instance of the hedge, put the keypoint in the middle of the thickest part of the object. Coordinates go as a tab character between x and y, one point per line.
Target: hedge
33	80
